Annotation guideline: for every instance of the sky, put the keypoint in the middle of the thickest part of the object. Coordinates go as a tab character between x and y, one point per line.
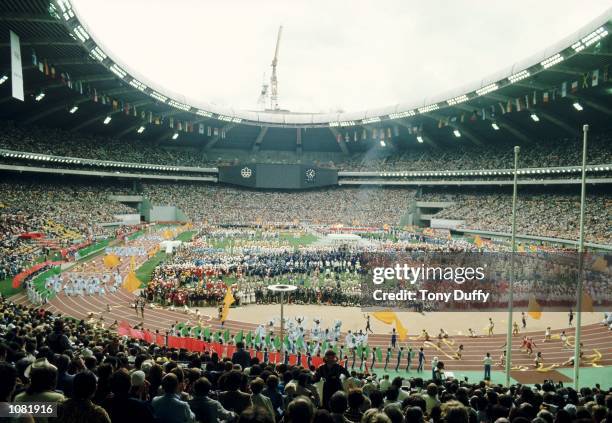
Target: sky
335	55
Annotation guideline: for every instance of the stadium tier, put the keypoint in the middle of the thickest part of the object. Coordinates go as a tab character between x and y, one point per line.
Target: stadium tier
164	259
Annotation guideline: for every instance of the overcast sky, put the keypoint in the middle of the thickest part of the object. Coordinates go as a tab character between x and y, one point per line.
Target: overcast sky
334	54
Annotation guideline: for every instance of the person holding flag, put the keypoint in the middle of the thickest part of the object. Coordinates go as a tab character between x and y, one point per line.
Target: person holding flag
228	300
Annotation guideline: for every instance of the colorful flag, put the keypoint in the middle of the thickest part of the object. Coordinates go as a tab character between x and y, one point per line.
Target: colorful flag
564	89
227	302
595	78
545	97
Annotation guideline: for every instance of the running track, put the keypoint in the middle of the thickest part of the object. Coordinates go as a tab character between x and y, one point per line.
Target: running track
594	337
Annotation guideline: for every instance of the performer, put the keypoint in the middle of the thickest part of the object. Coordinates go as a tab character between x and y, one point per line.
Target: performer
393	338
387	358
399	358
547	335
524	319
421	360
409	356
459	352
373	358
368	328
472	334
538	361
571	317
491	326
515	329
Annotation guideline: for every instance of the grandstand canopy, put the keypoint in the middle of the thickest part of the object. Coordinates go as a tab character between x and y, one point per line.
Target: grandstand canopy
63	61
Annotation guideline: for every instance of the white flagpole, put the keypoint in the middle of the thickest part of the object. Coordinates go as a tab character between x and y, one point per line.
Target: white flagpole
517	149
585	130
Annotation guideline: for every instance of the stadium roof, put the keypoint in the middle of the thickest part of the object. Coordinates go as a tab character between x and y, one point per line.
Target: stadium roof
62	59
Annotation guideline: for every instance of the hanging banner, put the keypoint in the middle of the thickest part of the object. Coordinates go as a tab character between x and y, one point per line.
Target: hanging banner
16	69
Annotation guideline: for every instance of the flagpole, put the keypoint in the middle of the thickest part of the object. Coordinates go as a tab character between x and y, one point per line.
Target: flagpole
282	328
585	130
517	149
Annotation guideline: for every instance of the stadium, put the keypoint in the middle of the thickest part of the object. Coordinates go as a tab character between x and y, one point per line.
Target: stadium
167	257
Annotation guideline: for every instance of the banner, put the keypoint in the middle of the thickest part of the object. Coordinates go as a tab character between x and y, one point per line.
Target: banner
16	69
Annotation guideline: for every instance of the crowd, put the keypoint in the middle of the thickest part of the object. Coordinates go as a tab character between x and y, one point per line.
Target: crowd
64	212
548	215
94	375
343	205
544	153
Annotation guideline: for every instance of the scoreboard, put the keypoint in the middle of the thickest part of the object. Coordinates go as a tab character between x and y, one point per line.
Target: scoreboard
278	176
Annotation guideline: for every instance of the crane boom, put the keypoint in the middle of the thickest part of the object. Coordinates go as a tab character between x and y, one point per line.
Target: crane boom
273	79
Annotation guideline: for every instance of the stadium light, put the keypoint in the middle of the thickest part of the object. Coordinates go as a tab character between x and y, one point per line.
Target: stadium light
420	139
3	79
175	136
39	96
73	110
107	120
578	106
495	126
383	143
141	130
535	117
457	133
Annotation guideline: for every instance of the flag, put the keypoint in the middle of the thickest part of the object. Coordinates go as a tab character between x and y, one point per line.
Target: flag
277	343
171	122
595	78
206	332
227	302
509	106
501	106
226	336
585	80
518	104
564	89
533	308
239	336
111	260
390	317
535	98
34	58
201	129
132	283
545	97
478	241
574	86
249	338
379	355
267	340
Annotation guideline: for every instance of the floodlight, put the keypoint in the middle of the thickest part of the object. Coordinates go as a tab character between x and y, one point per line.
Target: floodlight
73	110
3	79
39	96
175	136
420	139
107	119
382	143
141	130
578	106
495	126
535	117
457	133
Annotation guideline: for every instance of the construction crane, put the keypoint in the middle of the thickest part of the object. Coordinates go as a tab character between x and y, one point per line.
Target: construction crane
273	79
